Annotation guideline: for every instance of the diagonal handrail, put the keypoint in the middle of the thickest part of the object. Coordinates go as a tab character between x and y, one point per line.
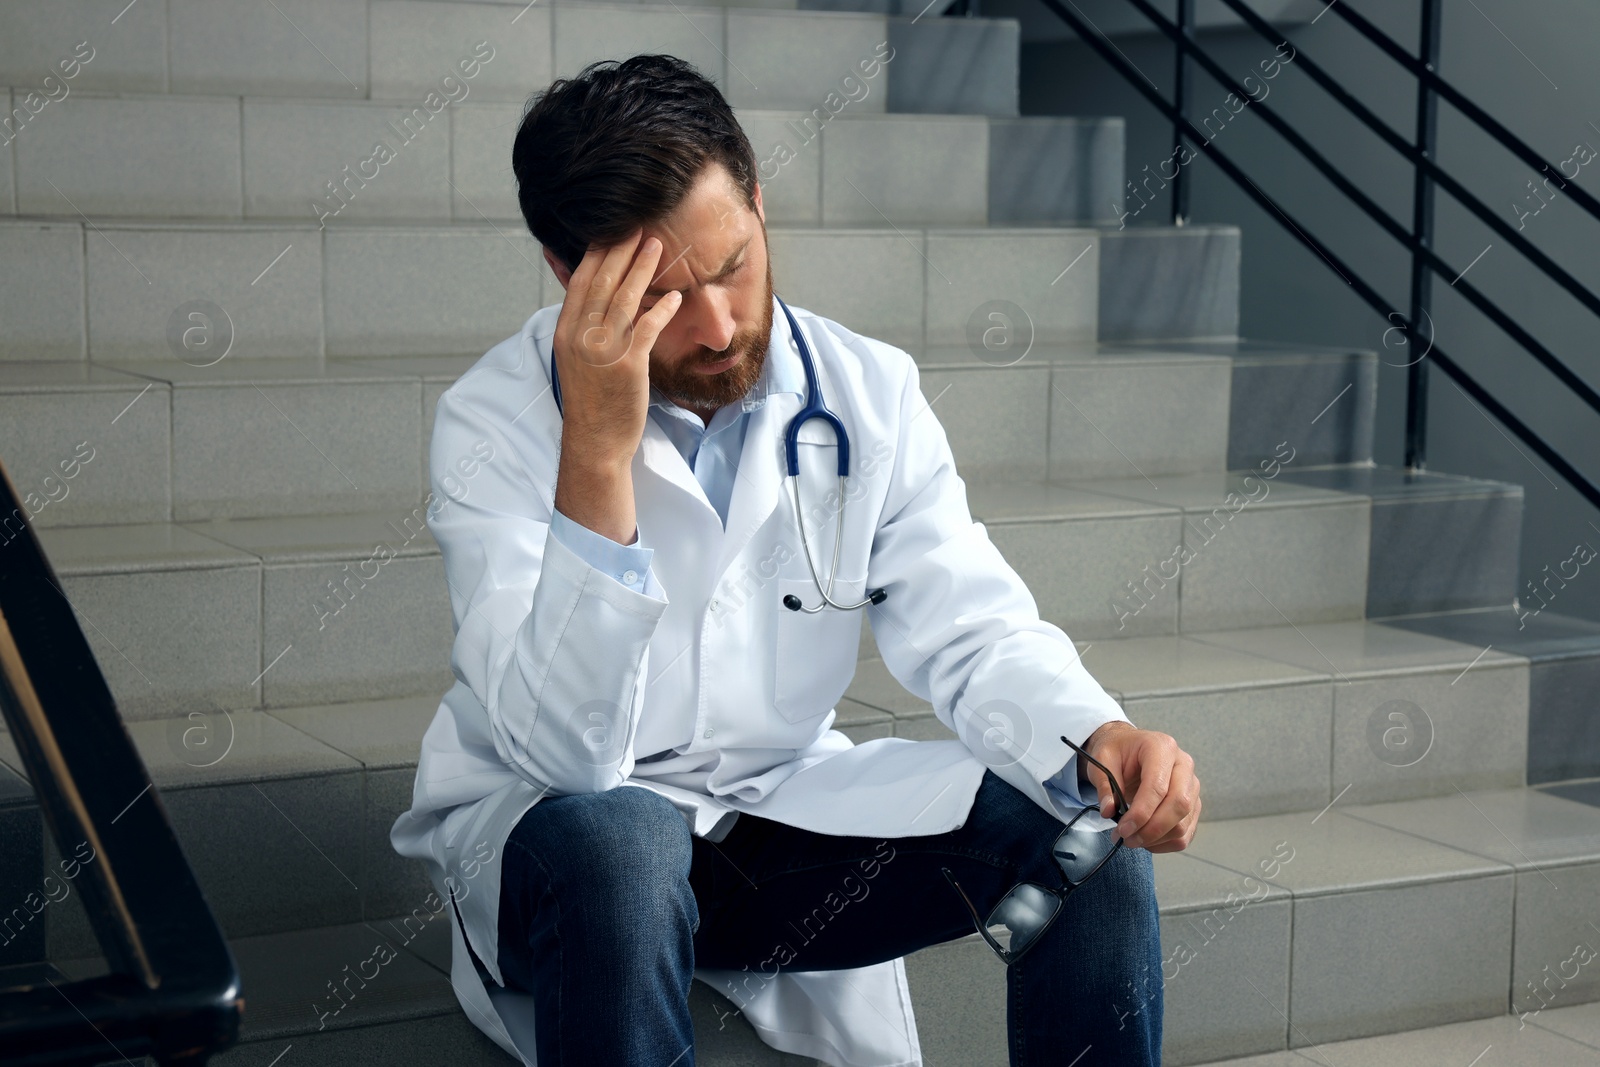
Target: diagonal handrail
1398	231
174	988
1418	244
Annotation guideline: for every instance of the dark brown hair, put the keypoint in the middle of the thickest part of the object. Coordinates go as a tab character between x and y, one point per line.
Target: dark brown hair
619	146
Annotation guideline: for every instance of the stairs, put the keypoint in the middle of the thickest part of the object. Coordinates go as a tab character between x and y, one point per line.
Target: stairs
1339	654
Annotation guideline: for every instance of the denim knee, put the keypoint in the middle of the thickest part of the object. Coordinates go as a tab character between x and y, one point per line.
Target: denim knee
615	853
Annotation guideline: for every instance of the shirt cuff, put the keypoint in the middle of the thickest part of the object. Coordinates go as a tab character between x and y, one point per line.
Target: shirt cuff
627	564
1065	783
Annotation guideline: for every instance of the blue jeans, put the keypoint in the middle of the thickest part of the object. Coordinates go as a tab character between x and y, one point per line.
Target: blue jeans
608	903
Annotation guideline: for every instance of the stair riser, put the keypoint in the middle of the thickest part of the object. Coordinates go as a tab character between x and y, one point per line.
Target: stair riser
171	641
759	58
1308	562
294	292
1267	750
321	162
1152	288
1324	405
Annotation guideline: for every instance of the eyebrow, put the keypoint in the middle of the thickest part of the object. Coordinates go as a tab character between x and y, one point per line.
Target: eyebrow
727	269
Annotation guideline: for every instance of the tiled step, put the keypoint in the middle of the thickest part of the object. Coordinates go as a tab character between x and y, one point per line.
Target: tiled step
1289	717
1563	677
1401	915
171	607
761	55
1155	289
253	612
157	439
271	437
286	828
1568	1036
1370	903
129	291
311	160
1272	728
1313	545
1440	542
1321	399
1160	554
149	440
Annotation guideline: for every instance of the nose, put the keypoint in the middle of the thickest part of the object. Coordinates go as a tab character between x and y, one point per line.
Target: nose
710	317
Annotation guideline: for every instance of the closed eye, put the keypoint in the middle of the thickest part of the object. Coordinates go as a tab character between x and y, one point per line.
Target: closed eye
729	273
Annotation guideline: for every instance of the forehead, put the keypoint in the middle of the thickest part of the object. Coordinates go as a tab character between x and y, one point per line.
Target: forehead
711	223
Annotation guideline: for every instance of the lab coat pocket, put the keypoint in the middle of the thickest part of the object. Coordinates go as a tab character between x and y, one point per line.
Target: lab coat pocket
816	651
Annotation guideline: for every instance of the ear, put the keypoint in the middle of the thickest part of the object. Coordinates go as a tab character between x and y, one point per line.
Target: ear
760	211
563	275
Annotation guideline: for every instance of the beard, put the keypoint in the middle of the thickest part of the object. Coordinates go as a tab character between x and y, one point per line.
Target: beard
688	388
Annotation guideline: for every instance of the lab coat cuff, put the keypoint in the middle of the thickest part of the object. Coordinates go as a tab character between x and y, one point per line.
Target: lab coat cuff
628	565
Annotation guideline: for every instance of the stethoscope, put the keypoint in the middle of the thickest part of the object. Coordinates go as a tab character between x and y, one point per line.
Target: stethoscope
814	409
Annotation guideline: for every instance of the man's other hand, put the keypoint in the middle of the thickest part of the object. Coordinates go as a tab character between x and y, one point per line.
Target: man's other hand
1157	779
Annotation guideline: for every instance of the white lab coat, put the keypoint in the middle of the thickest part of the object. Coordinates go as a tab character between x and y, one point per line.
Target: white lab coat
564	674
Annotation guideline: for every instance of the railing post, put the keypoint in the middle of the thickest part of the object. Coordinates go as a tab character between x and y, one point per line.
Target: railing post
1422	229
1180	100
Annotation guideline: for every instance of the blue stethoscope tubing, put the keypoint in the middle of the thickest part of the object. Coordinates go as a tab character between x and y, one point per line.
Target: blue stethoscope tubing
814	409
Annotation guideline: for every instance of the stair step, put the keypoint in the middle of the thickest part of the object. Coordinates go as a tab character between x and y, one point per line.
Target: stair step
1290	717
247	612
767	54
1440	542
1564	1035
283	290
1563	729
1323	398
154	430
1304	548
284	829
1154	289
312	160
1256	708
1369	901
277	611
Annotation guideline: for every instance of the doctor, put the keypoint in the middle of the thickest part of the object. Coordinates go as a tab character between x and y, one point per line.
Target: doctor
634	781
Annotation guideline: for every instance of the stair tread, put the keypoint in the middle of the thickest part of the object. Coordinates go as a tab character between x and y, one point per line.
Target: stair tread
387	104
1541	636
102	547
129	547
351	225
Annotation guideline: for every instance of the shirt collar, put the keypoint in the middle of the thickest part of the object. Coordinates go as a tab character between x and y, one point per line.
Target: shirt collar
782	373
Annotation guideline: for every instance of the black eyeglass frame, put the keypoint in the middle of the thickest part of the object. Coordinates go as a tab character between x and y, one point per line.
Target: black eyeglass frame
1006	955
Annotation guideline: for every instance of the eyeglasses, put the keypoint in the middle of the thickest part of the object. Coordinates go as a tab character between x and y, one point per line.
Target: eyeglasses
1029	908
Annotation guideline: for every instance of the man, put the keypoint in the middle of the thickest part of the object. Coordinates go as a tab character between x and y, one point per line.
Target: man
633	782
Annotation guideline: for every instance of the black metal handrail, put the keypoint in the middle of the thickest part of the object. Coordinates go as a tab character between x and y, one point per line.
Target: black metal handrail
173	991
1417	239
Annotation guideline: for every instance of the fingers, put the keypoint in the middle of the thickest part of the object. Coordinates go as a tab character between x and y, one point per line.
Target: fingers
1158	759
1172	825
594	292
1102	788
1182	834
625	302
652	322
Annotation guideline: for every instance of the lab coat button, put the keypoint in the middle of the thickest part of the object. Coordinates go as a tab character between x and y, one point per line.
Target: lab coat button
713	605
629	577
709	731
